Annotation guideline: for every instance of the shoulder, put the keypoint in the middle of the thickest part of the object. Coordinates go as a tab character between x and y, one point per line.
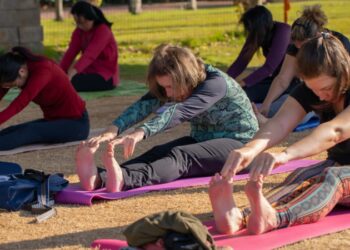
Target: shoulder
343	39
214	80
282	28
102	28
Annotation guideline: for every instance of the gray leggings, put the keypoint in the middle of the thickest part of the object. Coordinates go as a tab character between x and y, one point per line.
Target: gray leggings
181	158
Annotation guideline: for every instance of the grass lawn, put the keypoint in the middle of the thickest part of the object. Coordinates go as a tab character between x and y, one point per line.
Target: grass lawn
213	33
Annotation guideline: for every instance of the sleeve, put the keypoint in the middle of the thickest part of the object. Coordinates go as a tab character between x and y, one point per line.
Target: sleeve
137	112
73	49
98	42
202	98
304	96
274	57
241	62
36	82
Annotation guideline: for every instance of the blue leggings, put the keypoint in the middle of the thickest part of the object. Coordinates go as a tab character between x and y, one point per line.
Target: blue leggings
44	131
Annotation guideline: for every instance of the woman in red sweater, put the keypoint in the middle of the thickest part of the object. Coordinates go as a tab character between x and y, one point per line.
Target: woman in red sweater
97	68
42	81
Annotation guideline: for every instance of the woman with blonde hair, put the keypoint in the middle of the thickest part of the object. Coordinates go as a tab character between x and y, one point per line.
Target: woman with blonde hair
217	108
307	194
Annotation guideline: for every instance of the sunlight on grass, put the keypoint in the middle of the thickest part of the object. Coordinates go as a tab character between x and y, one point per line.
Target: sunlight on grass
212	33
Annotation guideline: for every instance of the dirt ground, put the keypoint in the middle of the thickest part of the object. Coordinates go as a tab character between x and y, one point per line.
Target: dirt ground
75	227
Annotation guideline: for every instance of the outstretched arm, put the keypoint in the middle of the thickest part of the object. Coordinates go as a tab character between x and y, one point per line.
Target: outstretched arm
274	131
322	138
280	83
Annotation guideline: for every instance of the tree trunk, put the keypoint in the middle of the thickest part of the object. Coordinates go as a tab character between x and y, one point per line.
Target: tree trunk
59	10
135	6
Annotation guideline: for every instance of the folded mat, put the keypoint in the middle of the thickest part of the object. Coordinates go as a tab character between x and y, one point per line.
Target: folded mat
41	146
336	221
311	123
74	194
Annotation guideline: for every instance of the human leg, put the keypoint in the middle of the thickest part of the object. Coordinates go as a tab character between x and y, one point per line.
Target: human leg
182	161
114	180
91	82
44	131
86	167
315	202
228	218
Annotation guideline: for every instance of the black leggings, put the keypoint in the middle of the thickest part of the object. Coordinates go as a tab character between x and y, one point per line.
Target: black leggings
181	158
91	82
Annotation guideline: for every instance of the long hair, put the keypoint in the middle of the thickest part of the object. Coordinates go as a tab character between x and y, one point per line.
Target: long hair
185	69
258	25
309	24
90	12
325	54
12	61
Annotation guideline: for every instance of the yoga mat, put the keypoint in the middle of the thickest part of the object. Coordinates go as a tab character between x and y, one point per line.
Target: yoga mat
34	147
336	221
312	123
73	194
125	88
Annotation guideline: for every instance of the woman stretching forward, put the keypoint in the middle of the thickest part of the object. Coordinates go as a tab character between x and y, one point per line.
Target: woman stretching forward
221	120
309	194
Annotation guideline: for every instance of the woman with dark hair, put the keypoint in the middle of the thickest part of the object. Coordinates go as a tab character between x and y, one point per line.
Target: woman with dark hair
97	68
310	24
273	37
42	81
307	194
219	111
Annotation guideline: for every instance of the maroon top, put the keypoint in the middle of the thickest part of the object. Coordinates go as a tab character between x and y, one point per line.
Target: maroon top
49	87
99	53
274	52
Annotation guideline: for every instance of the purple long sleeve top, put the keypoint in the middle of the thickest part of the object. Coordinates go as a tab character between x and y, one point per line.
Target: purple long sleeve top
274	53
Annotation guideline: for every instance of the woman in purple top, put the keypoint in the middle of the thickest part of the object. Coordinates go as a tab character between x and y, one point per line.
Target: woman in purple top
273	38
97	68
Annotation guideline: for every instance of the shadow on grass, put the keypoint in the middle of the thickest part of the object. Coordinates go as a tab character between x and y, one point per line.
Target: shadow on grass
83	239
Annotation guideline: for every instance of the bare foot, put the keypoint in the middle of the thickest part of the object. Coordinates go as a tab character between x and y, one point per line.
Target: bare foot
228	218
261	118
263	216
86	167
114	181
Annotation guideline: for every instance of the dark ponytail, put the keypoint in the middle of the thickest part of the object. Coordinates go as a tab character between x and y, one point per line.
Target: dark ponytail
90	12
12	61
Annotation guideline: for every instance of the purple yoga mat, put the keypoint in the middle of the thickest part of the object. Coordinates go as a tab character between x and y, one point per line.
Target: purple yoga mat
73	194
334	222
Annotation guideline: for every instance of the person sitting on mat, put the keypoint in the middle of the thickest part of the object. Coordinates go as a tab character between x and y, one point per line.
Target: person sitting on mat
310	24
97	68
307	194
42	81
219	111
273	37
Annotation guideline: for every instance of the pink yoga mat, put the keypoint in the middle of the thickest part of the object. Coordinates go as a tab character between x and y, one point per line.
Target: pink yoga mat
336	221
74	195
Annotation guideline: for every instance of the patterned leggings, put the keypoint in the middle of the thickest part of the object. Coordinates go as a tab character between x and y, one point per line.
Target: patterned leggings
309	194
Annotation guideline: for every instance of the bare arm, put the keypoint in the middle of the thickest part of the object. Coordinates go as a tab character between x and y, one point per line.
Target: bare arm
322	138
274	131
280	83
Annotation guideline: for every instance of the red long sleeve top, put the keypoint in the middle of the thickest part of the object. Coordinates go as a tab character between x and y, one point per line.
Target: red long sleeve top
99	53
49	87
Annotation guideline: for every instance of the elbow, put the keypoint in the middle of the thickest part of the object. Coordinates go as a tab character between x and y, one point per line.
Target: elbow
338	135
